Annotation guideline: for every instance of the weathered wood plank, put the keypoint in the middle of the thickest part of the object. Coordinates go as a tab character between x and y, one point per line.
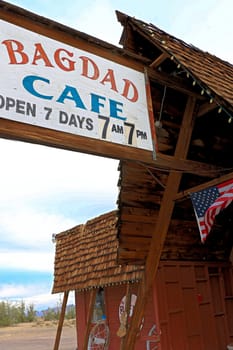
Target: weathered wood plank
33	134
61	320
162	225
204	185
132	243
136	229
159	60
138	214
141	197
89	317
134	256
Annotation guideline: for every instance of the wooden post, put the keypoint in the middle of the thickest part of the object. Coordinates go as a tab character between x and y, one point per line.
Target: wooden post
162	225
89	317
127	313
61	320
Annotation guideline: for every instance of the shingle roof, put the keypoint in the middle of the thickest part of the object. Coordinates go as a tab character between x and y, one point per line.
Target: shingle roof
86	257
206	68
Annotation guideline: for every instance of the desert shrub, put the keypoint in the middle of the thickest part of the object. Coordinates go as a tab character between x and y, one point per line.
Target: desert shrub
70	312
4	314
13	313
51	314
30	313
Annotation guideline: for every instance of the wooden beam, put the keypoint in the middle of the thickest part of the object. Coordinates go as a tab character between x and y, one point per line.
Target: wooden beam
124	321
89	317
204	185
61	320
206	108
164	161
173	82
36	135
162	225
159	60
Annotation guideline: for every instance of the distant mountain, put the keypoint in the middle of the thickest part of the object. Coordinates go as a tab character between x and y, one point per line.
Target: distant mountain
53	311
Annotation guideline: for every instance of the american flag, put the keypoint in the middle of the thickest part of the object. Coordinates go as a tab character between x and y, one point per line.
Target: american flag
208	203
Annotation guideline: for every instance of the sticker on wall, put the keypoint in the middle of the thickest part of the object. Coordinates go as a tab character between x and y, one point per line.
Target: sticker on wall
124	316
99	336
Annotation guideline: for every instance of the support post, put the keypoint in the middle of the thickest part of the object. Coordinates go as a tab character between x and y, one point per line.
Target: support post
61	320
89	317
163	222
124	321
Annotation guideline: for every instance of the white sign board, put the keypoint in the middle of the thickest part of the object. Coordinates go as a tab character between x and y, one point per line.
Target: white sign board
53	85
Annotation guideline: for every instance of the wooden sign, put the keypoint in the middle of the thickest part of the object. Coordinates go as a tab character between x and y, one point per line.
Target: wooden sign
49	84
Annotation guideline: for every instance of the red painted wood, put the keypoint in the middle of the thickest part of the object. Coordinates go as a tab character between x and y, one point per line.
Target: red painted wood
193	303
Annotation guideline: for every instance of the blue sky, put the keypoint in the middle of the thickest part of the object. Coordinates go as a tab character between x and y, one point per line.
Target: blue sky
44	190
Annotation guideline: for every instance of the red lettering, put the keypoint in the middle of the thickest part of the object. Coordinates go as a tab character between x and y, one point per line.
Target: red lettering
41	55
70	66
15	51
63	60
89	68
110	78
126	91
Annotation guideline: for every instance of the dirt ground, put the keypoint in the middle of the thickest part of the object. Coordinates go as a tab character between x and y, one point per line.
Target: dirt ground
37	336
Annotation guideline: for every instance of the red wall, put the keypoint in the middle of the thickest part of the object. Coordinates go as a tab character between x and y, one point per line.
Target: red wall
193	301
81	300
195	305
113	299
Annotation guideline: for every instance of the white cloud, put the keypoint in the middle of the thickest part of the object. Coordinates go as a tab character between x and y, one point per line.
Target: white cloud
15	291
31	170
45	300
34	260
31	228
36	294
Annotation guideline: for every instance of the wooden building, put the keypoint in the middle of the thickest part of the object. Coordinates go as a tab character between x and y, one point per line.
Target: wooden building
189	283
86	262
158	242
185	297
193	105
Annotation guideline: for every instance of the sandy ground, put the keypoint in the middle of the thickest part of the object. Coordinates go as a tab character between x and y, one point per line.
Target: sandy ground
37	336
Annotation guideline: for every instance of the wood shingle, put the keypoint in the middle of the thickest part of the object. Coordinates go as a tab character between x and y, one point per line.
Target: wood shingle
208	70
86	257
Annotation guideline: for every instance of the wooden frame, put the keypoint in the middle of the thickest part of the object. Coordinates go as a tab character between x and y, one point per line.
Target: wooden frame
88	142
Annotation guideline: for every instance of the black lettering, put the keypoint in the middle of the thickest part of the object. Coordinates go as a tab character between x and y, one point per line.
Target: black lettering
20	107
73	120
105	127
31	109
48	112
10	102
2	101
63	117
131	132
117	129
89	124
80	120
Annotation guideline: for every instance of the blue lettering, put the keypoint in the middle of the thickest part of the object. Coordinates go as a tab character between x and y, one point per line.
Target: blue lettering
95	102
115	107
28	84
70	93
